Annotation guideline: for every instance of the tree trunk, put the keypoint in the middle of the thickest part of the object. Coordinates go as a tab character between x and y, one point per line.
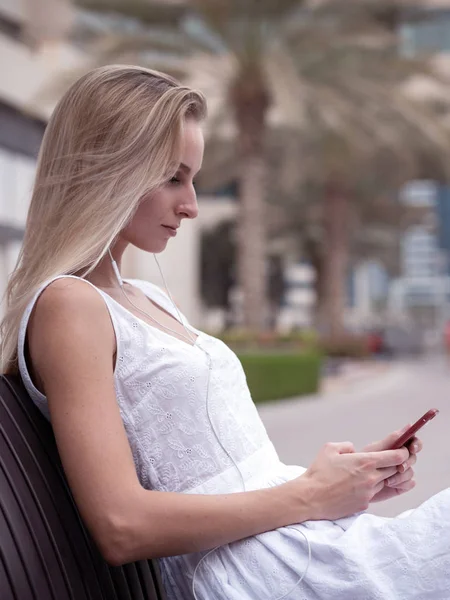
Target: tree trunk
250	101
336	258
314	253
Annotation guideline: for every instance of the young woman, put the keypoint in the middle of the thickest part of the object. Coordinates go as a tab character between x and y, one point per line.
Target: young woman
160	440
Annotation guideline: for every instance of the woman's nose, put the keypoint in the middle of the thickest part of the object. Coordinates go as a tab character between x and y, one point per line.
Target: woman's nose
189	208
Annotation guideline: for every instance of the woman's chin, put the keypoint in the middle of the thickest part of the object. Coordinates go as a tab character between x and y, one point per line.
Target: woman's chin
154	248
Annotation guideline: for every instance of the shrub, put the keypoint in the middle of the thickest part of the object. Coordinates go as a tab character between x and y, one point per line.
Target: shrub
271	376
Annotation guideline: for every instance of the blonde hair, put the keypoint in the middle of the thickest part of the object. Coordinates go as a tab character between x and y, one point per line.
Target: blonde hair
113	137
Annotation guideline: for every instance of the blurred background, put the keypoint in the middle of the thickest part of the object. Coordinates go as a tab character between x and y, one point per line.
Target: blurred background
321	253
324	231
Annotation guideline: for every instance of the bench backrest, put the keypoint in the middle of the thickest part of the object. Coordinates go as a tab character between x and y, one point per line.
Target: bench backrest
45	550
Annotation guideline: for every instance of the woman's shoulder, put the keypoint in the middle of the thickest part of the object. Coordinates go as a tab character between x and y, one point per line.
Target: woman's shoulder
69	295
69	324
70	304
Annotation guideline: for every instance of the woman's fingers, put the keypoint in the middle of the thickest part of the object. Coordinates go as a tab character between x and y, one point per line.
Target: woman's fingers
415	446
399	479
405	487
378	488
387	472
385	458
407	464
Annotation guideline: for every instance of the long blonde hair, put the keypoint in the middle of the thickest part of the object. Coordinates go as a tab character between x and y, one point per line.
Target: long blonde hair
113	137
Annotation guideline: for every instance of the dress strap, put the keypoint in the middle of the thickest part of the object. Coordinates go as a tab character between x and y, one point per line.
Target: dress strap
160	297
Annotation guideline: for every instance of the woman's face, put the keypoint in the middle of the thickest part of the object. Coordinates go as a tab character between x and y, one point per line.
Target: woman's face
160	214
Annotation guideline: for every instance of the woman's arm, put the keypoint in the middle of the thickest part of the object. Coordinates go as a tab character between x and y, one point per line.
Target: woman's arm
72	344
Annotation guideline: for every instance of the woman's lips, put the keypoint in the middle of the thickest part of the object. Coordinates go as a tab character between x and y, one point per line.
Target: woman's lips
172	230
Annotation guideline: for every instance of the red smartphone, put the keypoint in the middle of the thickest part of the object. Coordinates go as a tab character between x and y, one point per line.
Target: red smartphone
409	434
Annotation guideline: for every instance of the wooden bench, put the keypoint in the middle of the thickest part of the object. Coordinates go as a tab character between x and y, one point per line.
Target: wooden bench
45	551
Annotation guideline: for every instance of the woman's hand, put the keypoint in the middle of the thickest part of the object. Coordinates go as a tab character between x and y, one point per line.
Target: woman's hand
403	480
343	482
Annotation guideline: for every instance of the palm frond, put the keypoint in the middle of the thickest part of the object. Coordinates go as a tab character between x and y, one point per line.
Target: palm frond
332	67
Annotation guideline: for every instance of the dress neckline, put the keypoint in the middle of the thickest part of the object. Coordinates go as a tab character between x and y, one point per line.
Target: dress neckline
167	309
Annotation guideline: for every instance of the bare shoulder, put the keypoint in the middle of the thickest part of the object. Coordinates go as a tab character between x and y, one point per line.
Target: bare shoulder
70	318
70	304
69	296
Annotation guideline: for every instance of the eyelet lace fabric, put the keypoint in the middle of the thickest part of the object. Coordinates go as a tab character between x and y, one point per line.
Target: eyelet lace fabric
160	386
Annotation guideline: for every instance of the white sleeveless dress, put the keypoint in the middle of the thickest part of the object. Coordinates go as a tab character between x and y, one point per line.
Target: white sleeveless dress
161	392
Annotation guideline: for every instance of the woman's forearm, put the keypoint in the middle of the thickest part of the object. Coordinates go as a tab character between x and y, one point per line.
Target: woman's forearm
165	523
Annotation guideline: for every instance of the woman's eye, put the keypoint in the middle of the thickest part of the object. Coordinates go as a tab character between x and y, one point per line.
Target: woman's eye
175	180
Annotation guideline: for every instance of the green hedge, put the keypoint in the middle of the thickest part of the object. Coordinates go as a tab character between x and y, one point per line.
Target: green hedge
272	376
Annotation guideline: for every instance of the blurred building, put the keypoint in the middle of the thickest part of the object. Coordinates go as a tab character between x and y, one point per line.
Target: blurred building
422	293
299	297
367	292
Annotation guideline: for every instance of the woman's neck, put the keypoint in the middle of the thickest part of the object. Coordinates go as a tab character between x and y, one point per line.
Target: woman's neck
104	276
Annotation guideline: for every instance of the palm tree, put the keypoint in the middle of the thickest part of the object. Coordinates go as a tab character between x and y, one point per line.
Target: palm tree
292	62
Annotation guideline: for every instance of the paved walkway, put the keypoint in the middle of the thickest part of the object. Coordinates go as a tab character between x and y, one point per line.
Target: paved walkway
367	409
